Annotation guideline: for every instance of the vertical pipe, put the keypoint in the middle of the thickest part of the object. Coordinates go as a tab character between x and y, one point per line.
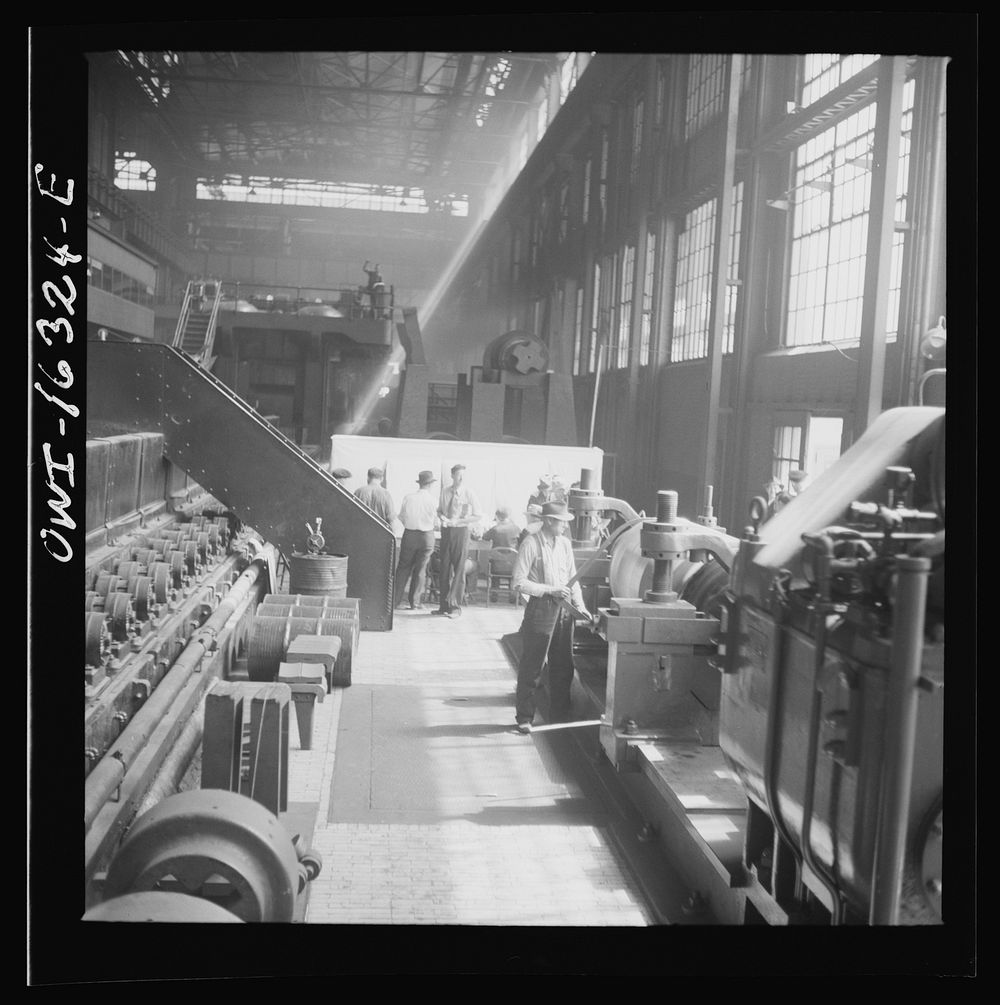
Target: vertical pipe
597	385
868	399
902	700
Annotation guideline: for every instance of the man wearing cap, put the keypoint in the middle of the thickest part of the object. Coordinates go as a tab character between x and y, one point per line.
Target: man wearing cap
458	511
544	567
341	474
504	533
418	515
375	497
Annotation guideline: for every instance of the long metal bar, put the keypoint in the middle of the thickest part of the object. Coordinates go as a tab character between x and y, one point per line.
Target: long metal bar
108	774
868	397
597	385
902	700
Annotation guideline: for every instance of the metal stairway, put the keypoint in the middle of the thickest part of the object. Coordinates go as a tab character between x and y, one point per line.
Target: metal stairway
195	332
243	461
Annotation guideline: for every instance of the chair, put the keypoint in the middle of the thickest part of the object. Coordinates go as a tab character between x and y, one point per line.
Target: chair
501	573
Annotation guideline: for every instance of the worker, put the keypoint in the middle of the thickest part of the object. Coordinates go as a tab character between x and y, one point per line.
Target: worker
376	497
544	567
458	511
504	533
341	474
418	515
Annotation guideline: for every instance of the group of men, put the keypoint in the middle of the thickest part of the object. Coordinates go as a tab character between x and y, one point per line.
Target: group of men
543	572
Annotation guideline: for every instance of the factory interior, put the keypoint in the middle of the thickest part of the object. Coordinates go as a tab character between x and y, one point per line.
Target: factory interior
508	490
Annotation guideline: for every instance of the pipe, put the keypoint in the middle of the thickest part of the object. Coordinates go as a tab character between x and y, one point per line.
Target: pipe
902	699
176	763
108	774
597	384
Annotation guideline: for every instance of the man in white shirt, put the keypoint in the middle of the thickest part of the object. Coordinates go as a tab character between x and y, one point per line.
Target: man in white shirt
418	515
544	567
458	511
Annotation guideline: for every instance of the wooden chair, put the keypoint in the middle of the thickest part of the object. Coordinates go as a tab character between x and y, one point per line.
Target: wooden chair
501	573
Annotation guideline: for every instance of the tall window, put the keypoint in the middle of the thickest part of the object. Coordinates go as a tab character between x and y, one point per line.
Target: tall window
602	181
822	72
693	285
134	173
706	73
595	319
585	213
787	453
636	141
625	308
648	291
831	199
515	260
578	331
564	210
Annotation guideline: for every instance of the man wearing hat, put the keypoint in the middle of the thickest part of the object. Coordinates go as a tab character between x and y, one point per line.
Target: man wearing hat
418	515
458	511
376	497
341	474
544	566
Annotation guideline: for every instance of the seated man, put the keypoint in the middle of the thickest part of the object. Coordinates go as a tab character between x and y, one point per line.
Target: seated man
504	533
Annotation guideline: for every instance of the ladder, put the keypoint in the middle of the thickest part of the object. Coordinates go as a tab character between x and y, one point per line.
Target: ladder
195	332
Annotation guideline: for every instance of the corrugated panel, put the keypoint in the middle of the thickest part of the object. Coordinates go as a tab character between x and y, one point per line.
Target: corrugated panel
152	478
124	460
95	507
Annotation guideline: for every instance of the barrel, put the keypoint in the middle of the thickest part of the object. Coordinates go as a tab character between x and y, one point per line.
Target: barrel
271	636
303	600
318	575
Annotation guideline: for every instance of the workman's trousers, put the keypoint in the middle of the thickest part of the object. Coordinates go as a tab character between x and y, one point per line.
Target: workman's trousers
535	644
414	554
451	578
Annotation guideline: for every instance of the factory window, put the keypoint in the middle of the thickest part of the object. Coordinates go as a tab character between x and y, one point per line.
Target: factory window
134	174
118	283
704	90
830	200
787	454
822	72
151	70
495	82
636	141
543	118
442	406
602	181
568	75
522	155
578	332
648	291
661	92
564	211
808	442
331	195
625	308
585	213
515	260
595	319
693	285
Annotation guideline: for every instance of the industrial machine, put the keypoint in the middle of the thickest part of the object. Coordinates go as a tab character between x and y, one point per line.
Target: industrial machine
774	704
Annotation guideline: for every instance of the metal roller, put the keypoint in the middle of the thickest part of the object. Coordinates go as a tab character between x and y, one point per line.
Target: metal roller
204	547
285	610
128	571
191	557
177	565
119	611
303	600
93	601
192	840
316	575
214	536
108	583
141	591
155	905
162	579
98	642
144	556
269	638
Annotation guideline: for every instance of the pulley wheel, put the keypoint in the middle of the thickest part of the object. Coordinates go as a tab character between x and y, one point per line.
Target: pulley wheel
177	563
142	592
202	541
118	609
207	840
98	642
93	601
159	573
107	583
144	556
190	557
155	905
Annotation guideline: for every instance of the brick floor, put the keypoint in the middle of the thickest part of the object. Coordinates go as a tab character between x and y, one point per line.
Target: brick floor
459	854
